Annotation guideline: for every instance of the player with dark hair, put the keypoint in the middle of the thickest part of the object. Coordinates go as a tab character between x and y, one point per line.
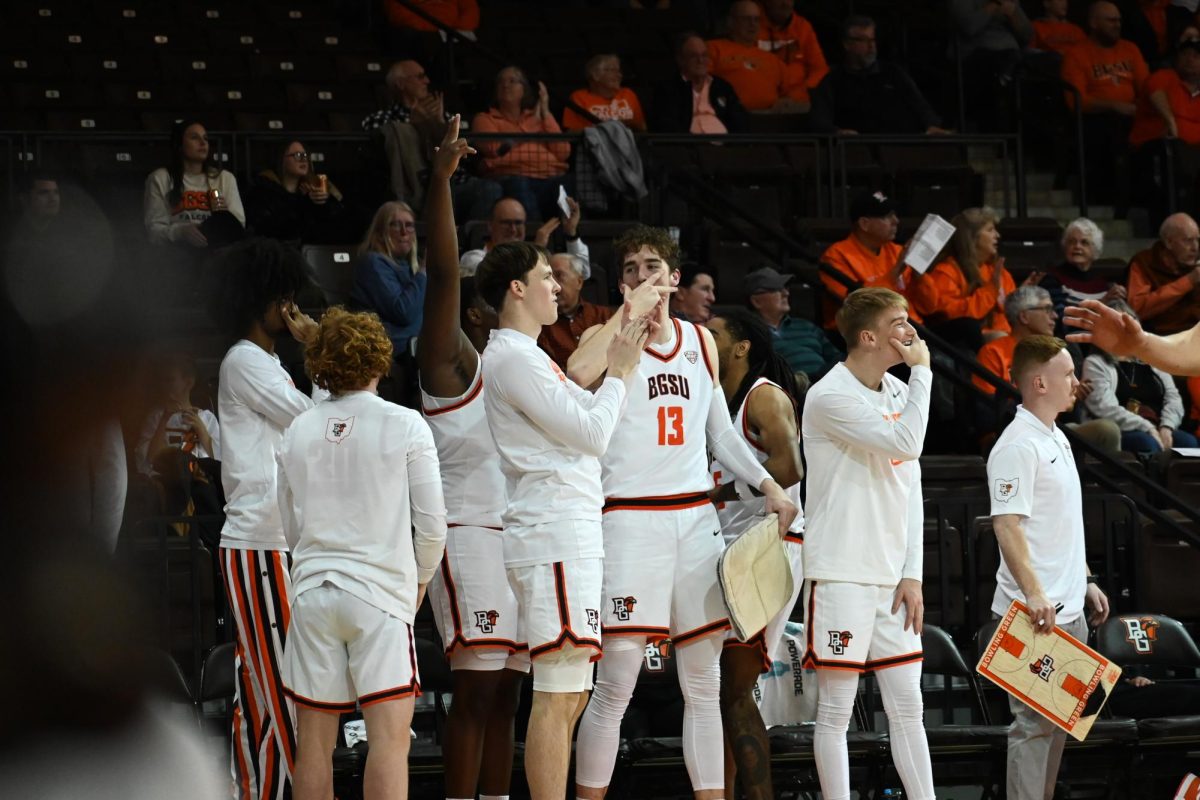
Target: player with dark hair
864	430
256	402
1037	512
661	533
360	496
550	434
474	606
763	404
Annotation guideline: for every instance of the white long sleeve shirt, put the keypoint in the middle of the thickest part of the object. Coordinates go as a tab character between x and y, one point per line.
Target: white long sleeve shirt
864	514
468	262
360	495
256	402
165	221
550	434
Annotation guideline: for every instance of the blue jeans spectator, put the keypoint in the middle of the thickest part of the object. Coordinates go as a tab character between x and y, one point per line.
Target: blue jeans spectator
1142	442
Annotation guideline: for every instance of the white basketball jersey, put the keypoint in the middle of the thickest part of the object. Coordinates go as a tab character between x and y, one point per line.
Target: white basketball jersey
660	447
472	482
738	515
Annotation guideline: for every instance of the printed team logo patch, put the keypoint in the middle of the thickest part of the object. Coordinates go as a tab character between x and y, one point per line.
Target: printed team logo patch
657	654
623	607
338	430
486	620
839	641
1043	668
593	620
558	371
691	355
1006	489
1141	633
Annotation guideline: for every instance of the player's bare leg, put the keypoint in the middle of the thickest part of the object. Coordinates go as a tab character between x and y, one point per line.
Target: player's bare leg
479	732
747	751
316	736
548	742
389	731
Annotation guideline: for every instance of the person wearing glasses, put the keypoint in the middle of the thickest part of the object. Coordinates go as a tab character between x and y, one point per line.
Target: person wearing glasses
294	204
507	224
695	100
388	278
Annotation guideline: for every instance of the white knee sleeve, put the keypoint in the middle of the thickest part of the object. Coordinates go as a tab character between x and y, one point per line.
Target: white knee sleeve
600	727
901	690
835	702
699	666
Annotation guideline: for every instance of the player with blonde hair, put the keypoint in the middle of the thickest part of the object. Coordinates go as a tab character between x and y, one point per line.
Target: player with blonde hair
1037	513
360	495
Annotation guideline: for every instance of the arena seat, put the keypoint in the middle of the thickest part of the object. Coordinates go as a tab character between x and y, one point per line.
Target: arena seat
331	268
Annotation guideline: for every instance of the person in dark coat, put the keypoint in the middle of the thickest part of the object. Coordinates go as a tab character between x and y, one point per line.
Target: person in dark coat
293	204
695	101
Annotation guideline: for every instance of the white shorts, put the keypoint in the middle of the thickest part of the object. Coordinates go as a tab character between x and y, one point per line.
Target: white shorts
851	626
342	652
559	605
473	604
765	640
660	573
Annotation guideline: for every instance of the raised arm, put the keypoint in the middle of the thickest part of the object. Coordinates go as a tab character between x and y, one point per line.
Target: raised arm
1122	335
848	418
589	361
445	356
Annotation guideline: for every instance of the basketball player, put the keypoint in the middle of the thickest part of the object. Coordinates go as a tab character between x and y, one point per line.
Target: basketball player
474	607
256	402
550	434
361	500
1037	513
1122	335
661	534
762	401
863	432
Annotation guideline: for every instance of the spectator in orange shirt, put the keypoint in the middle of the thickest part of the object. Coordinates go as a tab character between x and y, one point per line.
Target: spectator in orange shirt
530	171
1163	280
760	78
1054	32
575	315
791	37
604	97
1170	103
1030	312
962	297
869	254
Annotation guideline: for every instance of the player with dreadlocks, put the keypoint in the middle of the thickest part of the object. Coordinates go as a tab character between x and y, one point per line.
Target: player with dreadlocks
763	403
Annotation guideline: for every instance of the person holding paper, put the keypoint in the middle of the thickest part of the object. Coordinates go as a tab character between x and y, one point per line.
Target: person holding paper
1037	514
869	254
962	297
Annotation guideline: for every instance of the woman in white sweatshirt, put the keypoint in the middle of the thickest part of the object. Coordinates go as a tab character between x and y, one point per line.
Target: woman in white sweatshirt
192	200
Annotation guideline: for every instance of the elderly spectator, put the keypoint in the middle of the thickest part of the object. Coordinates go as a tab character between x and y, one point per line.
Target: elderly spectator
387	276
695	294
760	78
531	171
696	101
1163	279
803	345
1142	400
292	204
191	200
604	97
1030	312
413	103
866	95
791	37
869	254
1053	32
1069	283
575	315
991	36
962	296
507	224
1169	106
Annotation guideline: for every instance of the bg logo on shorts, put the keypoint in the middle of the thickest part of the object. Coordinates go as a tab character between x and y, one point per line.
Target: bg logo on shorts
657	654
593	619
839	641
486	620
1042	668
1141	633
623	607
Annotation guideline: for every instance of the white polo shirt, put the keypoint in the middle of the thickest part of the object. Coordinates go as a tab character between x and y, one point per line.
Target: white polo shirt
1031	473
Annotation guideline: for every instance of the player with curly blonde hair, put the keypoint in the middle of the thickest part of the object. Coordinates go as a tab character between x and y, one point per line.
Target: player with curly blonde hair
349	351
361	499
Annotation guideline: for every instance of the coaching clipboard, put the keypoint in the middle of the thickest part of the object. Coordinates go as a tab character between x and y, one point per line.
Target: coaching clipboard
756	577
1055	674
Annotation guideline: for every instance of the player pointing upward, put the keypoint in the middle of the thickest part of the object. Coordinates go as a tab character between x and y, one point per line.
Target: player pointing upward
863	431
